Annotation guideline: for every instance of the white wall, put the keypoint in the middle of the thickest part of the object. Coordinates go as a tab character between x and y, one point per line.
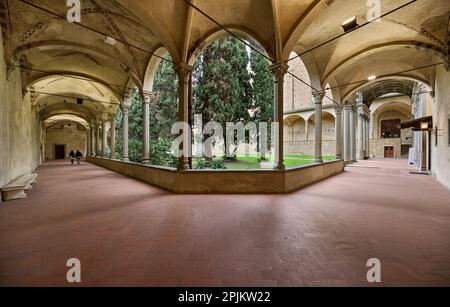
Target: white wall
72	139
441	153
19	127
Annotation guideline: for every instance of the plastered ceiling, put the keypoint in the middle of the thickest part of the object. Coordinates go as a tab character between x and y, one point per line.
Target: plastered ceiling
414	36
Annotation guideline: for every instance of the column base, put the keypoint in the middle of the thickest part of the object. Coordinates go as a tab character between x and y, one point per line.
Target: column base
280	167
183	165
318	160
146	161
125	160
183	168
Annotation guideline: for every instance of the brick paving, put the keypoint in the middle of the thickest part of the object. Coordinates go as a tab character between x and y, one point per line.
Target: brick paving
127	233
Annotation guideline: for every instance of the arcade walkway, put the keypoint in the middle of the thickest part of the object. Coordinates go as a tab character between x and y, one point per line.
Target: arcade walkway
128	233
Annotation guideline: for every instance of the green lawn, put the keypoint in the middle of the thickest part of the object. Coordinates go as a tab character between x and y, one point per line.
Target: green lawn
252	162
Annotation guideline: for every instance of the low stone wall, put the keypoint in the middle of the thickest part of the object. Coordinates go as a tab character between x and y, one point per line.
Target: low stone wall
226	181
308	148
377	147
299	178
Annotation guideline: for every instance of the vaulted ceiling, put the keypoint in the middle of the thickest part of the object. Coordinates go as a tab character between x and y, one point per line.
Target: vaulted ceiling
376	90
39	37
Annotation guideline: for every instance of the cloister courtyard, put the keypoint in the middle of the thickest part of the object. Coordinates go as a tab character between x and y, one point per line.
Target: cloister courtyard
230	143
127	233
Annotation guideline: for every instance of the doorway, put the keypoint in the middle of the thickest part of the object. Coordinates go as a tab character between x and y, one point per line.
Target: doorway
60	152
388	152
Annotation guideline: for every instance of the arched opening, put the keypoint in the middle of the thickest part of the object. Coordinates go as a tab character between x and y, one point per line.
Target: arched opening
63	134
389	140
328	137
299	103
232	88
161	90
295	129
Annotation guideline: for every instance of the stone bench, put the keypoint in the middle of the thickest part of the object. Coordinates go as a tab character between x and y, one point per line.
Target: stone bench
16	188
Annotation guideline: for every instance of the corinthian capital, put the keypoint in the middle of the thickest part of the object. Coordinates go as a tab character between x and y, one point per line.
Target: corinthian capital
318	96
279	70
184	70
338	108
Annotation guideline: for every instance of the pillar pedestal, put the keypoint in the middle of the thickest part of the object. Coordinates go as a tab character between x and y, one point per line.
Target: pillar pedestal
318	100
112	147
338	132
146	129
125	113
184	71
279	71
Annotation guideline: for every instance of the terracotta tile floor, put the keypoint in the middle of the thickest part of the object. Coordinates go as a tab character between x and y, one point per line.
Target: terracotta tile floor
128	233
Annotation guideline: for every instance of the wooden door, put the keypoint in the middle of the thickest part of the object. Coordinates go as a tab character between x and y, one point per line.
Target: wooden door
389	152
60	152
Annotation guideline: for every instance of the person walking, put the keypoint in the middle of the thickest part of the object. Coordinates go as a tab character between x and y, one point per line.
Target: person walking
78	156
72	157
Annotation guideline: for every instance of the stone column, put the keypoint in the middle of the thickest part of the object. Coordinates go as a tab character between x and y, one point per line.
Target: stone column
372	126
292	133
112	143
360	109
347	142
104	139
97	139
89	142
367	138
184	71
125	113
146	128
423	160
361	141
318	99
353	134
338	132
92	147
279	70
307	130
364	134
89	153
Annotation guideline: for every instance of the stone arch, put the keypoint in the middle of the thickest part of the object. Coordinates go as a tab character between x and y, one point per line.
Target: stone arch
60	94
211	37
152	68
294	128
311	67
331	87
401	45
348	95
87	78
328	126
329	96
388	111
113	62
69	117
297	95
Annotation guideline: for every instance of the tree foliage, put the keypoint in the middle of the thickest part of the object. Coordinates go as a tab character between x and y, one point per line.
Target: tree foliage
222	87
231	83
